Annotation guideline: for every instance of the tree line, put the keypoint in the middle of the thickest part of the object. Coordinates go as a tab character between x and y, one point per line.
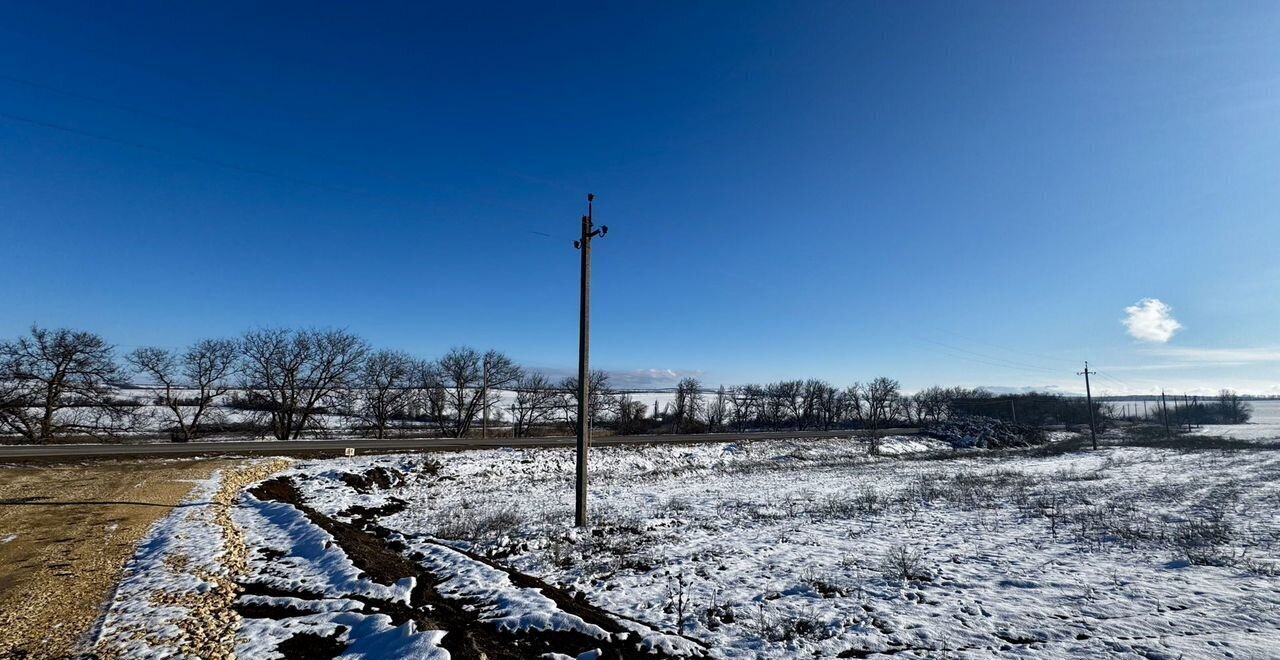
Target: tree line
286	383
59	383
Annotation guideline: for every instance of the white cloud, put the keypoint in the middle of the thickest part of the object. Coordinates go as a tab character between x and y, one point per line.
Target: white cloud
1151	320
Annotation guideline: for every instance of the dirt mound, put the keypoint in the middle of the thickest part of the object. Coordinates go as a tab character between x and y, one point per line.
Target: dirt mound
986	433
378	478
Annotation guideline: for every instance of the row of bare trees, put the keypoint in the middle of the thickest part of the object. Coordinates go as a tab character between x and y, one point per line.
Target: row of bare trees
798	404
59	383
288	383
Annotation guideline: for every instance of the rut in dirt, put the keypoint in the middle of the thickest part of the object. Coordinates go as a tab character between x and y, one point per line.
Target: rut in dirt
371	549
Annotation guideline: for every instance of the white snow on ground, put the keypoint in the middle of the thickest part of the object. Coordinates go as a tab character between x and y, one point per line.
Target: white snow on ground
142	619
1242	431
784	549
507	607
291	553
1264	424
369	636
896	445
308	558
184	549
496	600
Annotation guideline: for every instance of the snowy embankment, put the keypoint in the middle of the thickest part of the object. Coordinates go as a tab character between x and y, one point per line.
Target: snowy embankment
782	549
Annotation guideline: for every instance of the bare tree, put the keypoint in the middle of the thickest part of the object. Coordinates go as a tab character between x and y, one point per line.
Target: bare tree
598	398
827	405
429	395
295	373
1232	408
746	405
630	414
776	406
59	381
535	402
789	396
716	409
879	396
851	404
190	382
930	404
901	408
385	388
459	393
688	403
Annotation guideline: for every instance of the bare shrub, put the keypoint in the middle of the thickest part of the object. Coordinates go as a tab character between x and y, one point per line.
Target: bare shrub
1202	541
825	585
479	524
677	599
904	564
869	501
788	627
1261	568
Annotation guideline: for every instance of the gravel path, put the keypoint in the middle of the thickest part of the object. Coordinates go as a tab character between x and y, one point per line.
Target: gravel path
66	533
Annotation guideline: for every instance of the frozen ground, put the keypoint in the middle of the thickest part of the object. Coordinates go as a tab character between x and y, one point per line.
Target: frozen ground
769	549
1264	425
784	549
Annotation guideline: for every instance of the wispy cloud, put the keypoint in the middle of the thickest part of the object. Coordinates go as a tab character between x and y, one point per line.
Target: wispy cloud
1218	356
1151	320
648	378
630	379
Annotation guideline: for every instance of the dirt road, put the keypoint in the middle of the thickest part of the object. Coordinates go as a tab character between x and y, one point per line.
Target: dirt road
66	533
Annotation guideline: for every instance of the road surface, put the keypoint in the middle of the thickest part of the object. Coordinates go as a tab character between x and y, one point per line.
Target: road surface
11	453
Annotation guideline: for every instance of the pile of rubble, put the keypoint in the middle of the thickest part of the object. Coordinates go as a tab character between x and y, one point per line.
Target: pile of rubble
985	433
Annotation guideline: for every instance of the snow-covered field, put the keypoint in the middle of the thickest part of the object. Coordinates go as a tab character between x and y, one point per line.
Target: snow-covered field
774	549
1264	425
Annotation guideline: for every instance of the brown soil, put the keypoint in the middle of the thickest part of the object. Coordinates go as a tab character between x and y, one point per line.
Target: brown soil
371	551
66	533
378	478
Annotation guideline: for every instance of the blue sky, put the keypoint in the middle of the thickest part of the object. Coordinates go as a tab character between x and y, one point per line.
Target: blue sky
956	193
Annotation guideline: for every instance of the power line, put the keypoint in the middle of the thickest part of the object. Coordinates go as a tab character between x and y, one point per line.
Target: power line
174	154
1038	356
992	363
208	161
364	170
992	358
144	112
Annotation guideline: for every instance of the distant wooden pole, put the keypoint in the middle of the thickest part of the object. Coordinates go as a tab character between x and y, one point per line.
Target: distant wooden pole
1013	408
1088	395
1164	406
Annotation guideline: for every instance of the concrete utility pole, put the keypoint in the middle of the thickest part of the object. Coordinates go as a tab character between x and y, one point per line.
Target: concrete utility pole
484	399
584	359
1088	395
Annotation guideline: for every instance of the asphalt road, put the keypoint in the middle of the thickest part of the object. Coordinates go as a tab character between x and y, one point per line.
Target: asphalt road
12	453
